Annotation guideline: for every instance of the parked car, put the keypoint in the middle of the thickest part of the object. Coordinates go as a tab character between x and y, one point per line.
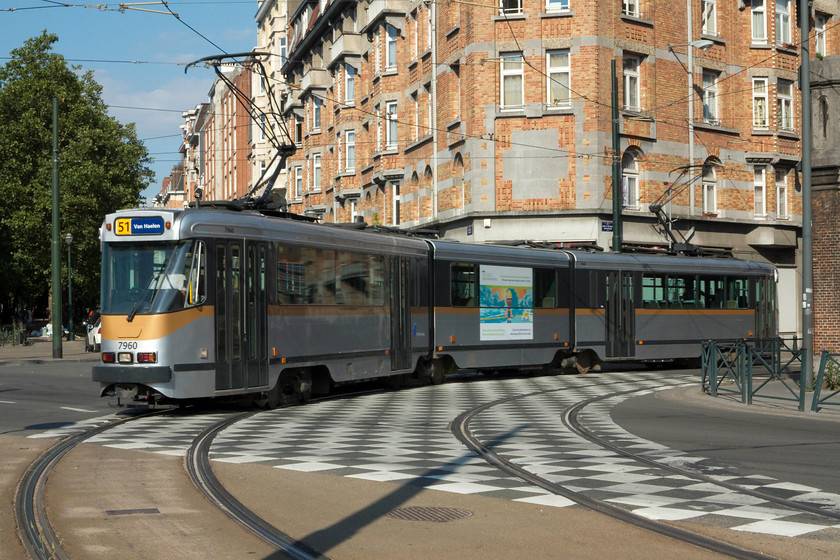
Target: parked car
93	341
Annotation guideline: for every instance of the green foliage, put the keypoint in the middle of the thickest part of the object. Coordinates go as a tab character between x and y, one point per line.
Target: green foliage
831	375
102	168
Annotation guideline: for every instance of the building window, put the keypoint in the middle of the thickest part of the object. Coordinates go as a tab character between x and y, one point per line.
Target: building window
298	129
759	22
759	201
262	128
513	92
784	104
391	125
709	189
630	8
349	84
298	182
782	176
415	36
709	17
557	64
819	32
632	85
316	172
316	113
390	47
350	150
783	22
511	7
710	97
430	109
556	5
760	103
416	116
630	179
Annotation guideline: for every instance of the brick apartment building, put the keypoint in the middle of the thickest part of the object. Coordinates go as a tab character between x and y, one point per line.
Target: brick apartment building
490	123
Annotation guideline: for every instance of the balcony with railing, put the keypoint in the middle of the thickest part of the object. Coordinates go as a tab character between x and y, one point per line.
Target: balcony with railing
347	44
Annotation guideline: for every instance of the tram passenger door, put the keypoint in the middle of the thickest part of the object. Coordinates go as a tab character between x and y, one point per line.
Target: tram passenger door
620	315
254	333
241	311
400	314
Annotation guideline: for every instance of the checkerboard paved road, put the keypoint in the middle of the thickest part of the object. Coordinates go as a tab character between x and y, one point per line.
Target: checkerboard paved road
404	437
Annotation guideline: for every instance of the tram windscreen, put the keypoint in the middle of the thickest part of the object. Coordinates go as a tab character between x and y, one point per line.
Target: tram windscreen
144	278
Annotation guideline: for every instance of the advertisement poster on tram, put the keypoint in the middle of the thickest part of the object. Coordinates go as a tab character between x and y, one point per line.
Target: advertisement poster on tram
507	301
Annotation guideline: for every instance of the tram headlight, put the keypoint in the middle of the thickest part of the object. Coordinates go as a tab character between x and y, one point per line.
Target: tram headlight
125	358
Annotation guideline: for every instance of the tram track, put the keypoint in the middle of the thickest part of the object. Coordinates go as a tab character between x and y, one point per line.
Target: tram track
197	463
461	430
36	532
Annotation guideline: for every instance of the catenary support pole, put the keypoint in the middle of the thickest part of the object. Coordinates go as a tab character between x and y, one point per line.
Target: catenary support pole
807	241
55	244
616	165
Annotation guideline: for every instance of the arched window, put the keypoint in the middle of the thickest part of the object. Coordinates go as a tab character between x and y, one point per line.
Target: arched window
630	177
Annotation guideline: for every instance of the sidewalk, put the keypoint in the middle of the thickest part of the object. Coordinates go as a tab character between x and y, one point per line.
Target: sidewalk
40	351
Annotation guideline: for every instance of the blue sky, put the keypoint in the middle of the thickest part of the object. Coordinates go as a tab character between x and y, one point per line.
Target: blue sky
153	92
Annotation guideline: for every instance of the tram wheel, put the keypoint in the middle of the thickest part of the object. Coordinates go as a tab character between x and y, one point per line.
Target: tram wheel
273	397
303	387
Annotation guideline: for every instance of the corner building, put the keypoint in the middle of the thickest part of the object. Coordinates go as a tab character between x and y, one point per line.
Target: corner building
492	122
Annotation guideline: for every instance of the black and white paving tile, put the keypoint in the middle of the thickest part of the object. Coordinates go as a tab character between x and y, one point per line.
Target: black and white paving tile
404	437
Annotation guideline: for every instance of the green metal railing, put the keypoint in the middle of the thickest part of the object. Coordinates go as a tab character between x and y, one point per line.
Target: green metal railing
747	364
827	360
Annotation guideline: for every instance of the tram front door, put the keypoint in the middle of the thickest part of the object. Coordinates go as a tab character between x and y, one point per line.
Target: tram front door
620	315
241	315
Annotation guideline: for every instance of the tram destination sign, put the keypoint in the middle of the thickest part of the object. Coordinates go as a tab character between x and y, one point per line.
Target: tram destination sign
139	226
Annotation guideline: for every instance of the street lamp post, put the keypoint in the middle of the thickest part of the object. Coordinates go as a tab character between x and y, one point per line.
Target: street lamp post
69	239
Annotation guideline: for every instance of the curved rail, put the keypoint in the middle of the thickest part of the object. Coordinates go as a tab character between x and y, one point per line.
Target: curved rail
198	467
570	420
35	530
460	428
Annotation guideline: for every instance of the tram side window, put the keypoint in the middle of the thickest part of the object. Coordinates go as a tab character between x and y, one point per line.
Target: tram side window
669	292
305	275
463	278
360	279
197	285
545	288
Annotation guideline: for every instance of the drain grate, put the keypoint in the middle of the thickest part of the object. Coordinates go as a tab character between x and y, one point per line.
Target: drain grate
433	514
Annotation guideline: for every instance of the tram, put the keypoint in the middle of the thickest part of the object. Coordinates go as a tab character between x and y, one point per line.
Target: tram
212	302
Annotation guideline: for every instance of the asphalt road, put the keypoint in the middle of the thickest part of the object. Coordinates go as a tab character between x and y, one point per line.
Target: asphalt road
800	447
39	397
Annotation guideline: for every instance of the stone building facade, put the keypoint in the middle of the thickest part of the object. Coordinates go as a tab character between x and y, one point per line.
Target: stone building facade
491	123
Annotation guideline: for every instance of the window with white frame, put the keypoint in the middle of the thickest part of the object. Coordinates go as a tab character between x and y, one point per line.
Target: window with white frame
298	182
819	34
710	96
784	104
509	7
759	88
630	8
391	125
350	150
298	129
759	21
316	172
709	188
632	83
556	5
630	179
759	200
709	17
430	109
262	127
513	84
783	22
316	113
782	177
377	112
282	53
349	85
558	72
416	127
390	47
415	36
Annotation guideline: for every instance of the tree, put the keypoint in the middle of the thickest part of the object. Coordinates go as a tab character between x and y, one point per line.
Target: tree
102	168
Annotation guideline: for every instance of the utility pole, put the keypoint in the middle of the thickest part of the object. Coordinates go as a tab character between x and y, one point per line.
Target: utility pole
56	248
616	165
807	375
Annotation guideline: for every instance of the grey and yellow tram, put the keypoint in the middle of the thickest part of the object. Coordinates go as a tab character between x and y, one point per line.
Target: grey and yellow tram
211	303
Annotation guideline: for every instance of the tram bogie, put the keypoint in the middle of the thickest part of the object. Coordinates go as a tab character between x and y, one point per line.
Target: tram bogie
211	303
